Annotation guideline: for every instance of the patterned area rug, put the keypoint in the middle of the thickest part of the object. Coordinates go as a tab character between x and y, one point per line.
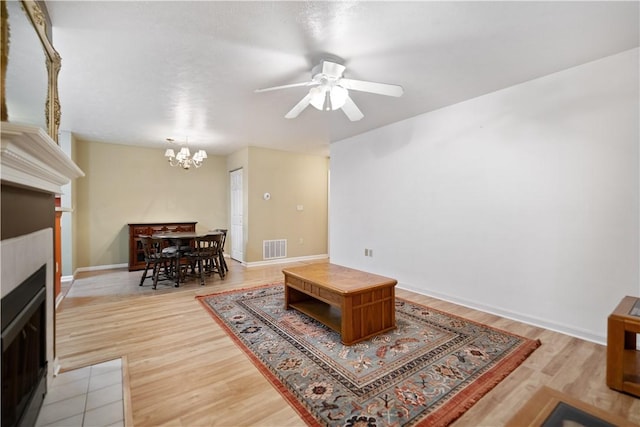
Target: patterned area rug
428	371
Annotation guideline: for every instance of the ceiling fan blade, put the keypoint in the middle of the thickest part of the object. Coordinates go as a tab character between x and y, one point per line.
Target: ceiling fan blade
351	110
299	107
311	83
372	87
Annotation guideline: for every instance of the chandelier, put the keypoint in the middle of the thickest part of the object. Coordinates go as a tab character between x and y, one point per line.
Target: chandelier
184	158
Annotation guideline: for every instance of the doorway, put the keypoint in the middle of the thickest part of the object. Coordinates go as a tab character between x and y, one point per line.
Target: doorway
237	206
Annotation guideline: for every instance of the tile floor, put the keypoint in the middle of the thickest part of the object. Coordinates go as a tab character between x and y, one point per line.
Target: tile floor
86	397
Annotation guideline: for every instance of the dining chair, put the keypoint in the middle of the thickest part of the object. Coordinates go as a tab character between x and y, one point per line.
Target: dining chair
223	262
156	259
203	257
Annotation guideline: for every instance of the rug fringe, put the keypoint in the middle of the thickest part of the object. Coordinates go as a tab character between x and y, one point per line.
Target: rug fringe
461	403
230	291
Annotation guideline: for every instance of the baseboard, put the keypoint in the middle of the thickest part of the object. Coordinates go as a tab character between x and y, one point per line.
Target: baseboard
285	260
56	366
529	320
246	264
100	267
59	299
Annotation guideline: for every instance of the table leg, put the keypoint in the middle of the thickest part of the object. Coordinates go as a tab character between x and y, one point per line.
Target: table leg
178	272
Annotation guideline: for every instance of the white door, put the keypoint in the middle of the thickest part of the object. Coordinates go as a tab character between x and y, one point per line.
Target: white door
237	238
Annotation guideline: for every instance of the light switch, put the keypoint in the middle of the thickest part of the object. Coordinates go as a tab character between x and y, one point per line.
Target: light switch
300	208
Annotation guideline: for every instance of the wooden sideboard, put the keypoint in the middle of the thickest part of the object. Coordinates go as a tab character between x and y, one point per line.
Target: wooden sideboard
136	255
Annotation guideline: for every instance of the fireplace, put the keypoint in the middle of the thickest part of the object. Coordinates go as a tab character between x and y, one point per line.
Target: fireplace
24	344
33	169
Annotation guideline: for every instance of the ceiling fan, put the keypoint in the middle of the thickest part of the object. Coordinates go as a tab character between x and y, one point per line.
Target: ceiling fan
330	91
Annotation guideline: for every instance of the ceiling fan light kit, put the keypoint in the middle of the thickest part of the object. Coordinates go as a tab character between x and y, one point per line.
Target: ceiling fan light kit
330	91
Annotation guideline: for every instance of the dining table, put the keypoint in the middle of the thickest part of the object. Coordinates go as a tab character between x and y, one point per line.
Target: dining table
181	240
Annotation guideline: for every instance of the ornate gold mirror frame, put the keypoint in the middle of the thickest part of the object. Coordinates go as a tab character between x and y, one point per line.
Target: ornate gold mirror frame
53	61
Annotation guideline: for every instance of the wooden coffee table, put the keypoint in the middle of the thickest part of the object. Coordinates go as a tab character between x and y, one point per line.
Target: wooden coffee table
356	304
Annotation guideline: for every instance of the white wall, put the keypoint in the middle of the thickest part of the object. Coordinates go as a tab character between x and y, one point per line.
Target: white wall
522	202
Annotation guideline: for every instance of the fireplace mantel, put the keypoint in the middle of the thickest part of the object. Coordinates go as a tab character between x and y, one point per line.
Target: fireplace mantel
30	158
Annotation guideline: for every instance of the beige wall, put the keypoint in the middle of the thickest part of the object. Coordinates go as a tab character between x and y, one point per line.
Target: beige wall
126	184
292	179
74	211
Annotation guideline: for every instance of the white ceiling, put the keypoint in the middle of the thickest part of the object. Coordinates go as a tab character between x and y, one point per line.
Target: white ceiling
138	72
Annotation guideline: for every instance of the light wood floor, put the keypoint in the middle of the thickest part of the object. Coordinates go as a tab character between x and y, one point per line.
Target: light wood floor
185	371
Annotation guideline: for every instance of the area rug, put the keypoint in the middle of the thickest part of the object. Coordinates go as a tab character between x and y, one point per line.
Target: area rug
426	372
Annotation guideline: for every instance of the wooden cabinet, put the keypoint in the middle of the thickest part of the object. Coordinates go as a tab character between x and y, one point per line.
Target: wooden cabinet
623	357
136	255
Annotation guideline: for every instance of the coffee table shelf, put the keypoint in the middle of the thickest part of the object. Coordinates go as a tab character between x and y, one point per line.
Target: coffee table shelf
322	312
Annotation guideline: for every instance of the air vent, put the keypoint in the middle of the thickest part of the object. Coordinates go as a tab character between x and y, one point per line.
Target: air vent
272	249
